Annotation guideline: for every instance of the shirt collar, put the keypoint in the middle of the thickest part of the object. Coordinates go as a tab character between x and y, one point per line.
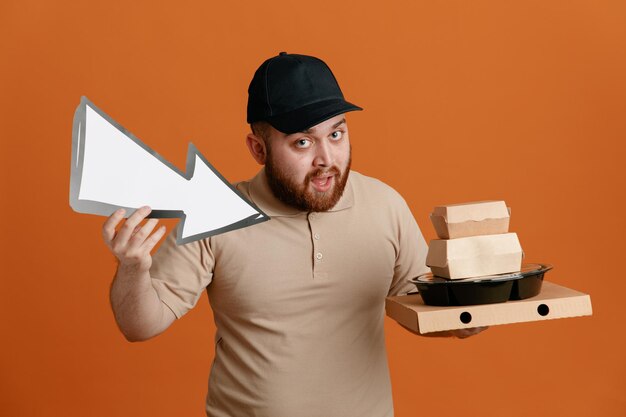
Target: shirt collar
262	195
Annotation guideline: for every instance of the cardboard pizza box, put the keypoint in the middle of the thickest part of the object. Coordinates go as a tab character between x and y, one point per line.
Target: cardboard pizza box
471	219
554	302
475	256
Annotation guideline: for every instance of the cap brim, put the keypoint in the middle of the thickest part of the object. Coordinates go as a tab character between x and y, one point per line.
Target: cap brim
310	115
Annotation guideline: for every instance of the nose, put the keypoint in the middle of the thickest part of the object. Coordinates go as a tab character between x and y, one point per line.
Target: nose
323	155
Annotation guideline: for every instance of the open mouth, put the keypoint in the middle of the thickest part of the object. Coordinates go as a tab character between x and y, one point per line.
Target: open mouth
322	183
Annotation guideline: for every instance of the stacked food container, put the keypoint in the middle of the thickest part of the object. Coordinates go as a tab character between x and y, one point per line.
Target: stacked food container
476	260
473	241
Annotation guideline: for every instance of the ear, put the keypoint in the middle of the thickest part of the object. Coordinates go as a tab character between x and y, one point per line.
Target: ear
256	146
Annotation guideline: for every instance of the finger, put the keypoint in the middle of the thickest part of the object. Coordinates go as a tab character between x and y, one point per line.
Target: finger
108	228
135	230
142	232
127	229
154	238
465	333
477	330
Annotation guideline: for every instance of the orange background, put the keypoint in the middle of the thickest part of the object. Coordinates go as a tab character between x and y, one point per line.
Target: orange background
522	101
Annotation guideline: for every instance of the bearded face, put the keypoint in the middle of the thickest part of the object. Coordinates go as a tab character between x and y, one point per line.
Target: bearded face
320	190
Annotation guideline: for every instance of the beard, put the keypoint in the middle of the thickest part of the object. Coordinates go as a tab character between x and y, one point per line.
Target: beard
298	195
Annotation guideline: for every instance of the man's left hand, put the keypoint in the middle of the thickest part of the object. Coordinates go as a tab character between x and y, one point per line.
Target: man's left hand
465	333
459	333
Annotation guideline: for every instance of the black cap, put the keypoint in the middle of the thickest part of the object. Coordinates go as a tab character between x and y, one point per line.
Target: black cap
295	92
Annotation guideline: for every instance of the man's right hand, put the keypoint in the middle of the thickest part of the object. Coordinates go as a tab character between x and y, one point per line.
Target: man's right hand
139	312
132	243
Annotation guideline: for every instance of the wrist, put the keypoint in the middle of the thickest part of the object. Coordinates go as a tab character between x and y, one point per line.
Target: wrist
132	269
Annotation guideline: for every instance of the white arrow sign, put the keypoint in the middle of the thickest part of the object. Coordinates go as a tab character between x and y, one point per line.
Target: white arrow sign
111	168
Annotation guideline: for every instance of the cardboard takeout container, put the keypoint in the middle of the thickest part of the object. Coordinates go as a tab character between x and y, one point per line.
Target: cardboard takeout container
475	256
471	219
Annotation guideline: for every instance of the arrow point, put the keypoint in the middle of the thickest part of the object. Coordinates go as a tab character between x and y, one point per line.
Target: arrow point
212	197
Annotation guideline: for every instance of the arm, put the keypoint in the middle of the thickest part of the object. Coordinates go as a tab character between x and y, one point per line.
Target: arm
138	311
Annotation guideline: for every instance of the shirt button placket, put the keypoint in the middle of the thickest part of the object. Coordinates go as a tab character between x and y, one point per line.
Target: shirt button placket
317	252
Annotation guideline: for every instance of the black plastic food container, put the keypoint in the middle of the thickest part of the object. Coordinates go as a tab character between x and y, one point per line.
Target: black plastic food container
438	291
529	284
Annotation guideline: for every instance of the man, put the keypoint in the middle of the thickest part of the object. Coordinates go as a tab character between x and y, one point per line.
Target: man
298	301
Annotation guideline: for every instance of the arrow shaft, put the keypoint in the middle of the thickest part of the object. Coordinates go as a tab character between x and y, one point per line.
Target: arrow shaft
118	171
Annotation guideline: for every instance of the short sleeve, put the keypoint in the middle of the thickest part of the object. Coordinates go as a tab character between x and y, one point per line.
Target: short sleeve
181	273
411	256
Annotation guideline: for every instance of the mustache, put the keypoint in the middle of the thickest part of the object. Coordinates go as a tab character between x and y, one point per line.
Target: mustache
322	172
